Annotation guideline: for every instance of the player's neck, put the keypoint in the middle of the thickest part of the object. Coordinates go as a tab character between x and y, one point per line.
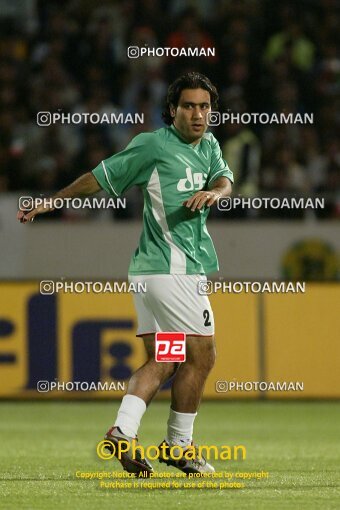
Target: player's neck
182	136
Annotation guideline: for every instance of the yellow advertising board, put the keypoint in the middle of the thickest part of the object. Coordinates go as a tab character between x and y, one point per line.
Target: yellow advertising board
62	345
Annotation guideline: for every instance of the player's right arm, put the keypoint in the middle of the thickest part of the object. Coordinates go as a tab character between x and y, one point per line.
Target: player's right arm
115	175
85	185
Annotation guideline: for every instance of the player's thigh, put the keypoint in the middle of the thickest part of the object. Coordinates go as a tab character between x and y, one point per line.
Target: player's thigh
166	369
201	351
149	344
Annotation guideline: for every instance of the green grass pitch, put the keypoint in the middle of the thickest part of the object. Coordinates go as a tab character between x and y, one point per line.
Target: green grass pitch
43	444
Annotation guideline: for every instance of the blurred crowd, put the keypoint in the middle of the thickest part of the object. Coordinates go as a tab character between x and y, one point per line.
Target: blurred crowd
71	56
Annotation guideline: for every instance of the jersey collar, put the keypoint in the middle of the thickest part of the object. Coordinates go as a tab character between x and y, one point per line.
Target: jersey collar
178	134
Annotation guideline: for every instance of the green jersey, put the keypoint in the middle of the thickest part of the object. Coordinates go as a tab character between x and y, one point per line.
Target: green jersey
169	171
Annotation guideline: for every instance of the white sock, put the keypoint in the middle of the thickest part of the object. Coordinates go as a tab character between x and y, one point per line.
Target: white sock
130	414
180	428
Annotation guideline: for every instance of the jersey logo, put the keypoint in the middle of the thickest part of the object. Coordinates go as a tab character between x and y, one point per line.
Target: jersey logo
191	181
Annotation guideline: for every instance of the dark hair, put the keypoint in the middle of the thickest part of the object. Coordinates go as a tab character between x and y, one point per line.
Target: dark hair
190	80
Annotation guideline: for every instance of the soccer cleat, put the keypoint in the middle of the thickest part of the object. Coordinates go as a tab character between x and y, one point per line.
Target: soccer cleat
131	461
195	465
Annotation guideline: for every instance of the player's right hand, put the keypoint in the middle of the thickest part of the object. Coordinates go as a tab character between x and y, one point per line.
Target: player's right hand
25	216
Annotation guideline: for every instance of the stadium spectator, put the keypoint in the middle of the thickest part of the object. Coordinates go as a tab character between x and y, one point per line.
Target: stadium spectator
268	58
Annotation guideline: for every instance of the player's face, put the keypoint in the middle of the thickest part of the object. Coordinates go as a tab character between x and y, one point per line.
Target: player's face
190	116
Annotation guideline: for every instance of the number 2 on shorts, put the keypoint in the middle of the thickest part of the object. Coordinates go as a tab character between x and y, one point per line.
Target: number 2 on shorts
206	317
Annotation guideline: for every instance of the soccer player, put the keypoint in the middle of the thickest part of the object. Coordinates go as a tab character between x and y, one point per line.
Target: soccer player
181	173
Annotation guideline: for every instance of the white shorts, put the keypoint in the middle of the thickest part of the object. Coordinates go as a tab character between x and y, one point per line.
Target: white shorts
172	303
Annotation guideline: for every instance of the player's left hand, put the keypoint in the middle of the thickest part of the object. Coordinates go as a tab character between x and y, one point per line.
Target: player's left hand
202	198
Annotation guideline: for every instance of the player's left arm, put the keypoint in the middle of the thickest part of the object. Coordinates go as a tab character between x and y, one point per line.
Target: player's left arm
220	187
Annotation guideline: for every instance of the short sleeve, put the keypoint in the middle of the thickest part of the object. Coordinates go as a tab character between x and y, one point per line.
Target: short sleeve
219	166
129	167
